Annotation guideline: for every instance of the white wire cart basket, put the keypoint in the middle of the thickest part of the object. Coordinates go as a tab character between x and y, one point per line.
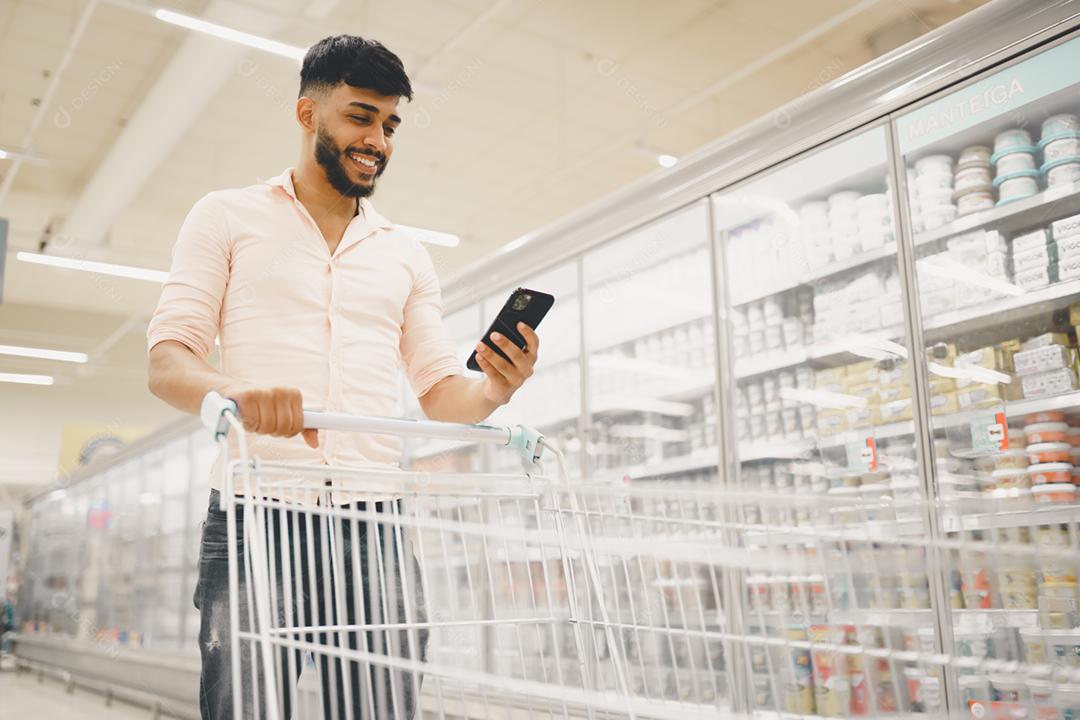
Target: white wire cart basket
523	596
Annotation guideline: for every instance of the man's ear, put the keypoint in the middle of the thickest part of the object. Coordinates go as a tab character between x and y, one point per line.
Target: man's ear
305	113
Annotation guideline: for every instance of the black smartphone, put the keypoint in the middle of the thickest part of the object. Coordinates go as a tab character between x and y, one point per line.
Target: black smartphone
523	305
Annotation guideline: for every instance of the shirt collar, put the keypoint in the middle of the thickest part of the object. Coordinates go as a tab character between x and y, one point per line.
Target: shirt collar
371	217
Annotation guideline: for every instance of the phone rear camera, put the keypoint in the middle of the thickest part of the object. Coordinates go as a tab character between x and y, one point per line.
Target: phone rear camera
522	301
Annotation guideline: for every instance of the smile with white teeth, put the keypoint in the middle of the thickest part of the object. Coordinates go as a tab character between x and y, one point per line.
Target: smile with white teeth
363	160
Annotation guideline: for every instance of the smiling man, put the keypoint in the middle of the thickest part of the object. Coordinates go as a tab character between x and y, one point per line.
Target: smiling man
318	301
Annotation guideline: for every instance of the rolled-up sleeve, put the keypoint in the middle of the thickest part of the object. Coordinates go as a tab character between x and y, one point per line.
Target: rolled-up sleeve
426	351
189	310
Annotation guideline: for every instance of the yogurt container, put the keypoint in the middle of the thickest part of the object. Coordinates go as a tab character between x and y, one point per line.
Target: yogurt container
975	201
1063	174
934	163
927	184
1011	459
1063	649
1018	598
1015	162
1054	493
1008	478
1015	137
938	216
1050	473
1045	416
843	200
1066	145
1017	185
1049	453
972	177
1034	646
1065	122
1049	432
974	154
873	204
819	209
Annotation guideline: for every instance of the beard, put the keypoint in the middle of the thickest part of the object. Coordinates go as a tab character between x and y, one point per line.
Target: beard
333	161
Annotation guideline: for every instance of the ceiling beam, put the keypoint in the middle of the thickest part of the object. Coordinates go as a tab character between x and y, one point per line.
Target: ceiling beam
182	94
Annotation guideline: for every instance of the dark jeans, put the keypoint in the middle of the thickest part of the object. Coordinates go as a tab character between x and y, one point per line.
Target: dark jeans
310	594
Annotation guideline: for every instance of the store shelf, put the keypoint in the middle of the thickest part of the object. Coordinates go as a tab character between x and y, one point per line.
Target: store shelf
891	617
944	326
1030	213
997	313
1013	408
824	354
775	450
1032	517
702	459
879	432
854	262
797	449
994	619
785	534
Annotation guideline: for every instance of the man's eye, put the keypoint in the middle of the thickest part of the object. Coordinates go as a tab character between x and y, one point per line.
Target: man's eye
358	118
390	131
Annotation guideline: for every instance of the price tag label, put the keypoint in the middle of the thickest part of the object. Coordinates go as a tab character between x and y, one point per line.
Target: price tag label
990	432
862	455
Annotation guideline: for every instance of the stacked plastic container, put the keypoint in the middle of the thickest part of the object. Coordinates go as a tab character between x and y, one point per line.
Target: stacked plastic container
1060	146
974	180
932	181
1016	175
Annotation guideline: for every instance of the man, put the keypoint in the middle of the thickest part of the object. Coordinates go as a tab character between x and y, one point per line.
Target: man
317	300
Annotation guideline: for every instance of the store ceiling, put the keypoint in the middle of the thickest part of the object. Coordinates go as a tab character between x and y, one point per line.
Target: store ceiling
525	111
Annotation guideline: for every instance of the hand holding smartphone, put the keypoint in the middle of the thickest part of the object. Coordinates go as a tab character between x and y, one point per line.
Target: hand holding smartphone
523	305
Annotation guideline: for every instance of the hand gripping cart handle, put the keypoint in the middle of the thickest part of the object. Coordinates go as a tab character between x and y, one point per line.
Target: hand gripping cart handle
219	413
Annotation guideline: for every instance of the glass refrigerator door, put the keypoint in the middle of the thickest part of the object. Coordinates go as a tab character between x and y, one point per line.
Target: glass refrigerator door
652	377
993	186
830	501
550	400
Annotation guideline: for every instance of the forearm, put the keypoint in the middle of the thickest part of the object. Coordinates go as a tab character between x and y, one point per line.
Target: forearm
181	379
458	399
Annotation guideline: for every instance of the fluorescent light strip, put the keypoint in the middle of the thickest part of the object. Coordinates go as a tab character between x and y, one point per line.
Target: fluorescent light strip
227	33
9	154
43	354
26	379
128	271
431	237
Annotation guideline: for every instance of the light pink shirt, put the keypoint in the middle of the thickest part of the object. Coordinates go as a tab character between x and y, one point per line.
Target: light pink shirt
251	266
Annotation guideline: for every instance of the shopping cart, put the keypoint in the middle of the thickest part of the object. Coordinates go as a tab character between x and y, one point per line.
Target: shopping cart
467	595
521	595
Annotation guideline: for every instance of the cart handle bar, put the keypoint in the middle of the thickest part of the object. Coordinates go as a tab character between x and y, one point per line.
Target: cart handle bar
525	439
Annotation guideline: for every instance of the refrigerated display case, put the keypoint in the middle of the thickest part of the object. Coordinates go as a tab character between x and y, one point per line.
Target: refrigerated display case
114	550
822	409
551	399
860	364
650	361
993	207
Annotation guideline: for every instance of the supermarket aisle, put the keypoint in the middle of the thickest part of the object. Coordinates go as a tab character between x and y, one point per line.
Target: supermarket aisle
24	697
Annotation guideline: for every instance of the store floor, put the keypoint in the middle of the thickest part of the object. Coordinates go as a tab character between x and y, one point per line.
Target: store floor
25	698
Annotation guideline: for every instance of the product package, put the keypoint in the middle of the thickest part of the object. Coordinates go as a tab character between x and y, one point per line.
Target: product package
1042	359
